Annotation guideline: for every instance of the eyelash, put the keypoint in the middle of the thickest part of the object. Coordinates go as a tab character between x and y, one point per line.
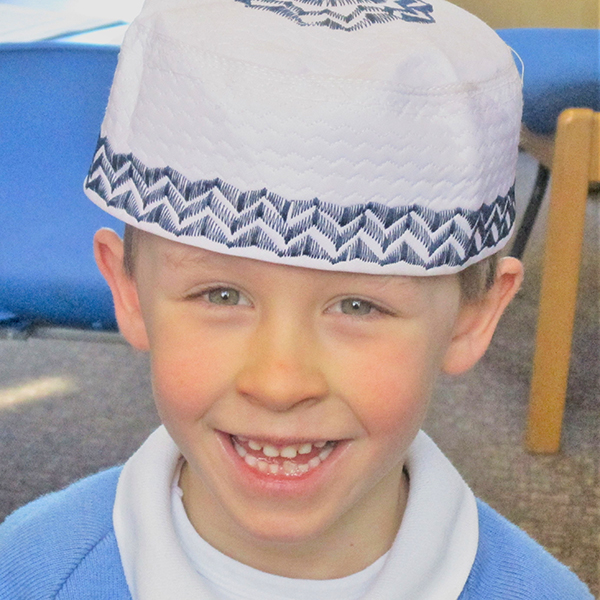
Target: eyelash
205	295
372	307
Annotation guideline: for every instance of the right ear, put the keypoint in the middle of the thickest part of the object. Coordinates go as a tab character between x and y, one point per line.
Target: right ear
108	251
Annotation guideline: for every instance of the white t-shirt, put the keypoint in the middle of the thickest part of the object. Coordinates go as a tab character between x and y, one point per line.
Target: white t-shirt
164	557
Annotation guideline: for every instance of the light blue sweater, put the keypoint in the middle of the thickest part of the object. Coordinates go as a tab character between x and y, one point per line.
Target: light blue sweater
63	547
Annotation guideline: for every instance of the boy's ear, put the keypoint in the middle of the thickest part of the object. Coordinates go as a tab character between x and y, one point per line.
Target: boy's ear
108	250
477	321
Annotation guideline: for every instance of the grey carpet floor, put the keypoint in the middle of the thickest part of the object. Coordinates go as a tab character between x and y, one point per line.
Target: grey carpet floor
87	405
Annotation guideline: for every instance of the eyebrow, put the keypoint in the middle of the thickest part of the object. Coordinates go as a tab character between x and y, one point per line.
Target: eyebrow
383	281
179	257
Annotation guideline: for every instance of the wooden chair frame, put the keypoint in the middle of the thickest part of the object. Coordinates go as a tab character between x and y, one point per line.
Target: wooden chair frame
574	157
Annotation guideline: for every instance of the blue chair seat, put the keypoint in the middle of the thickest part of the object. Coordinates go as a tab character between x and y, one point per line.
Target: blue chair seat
53	102
562	70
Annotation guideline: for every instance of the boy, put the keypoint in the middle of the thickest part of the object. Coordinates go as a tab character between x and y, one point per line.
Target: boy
315	194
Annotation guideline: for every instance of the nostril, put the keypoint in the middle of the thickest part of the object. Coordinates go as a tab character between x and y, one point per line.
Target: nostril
282	367
281	389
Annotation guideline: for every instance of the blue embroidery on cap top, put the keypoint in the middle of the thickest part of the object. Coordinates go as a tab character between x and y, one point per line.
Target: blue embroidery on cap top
348	15
370	232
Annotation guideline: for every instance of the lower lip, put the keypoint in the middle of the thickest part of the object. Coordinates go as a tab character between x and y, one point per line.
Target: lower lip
280	484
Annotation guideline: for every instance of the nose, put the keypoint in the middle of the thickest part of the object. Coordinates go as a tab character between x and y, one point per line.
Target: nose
282	368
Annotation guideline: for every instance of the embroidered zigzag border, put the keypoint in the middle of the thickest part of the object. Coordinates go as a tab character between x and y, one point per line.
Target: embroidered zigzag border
338	14
371	232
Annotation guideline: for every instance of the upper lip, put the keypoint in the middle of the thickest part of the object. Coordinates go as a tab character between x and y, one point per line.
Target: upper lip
283	441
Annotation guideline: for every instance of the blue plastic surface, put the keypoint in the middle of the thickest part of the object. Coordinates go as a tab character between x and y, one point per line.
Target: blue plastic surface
562	70
53	99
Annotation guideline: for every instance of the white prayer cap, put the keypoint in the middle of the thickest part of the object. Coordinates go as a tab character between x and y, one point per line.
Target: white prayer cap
371	136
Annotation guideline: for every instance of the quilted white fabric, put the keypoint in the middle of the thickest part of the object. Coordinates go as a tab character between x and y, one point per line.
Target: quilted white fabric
365	136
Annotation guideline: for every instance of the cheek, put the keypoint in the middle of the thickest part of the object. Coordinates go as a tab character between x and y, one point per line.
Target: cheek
189	371
393	383
175	382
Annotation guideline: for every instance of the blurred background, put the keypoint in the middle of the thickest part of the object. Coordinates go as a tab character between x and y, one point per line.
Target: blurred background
534	13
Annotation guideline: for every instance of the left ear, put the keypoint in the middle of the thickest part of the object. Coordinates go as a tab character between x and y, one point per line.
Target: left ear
108	250
476	322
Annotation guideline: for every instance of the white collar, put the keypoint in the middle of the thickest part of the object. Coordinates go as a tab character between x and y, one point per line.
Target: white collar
431	557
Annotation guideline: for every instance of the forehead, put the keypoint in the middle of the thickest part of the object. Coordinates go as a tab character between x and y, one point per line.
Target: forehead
167	259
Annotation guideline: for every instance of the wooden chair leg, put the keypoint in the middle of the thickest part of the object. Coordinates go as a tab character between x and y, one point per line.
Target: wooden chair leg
564	238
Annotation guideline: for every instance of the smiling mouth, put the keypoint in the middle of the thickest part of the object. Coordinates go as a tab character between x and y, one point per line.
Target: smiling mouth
290	461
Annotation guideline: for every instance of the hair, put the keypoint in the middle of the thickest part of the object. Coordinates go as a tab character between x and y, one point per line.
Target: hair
131	239
475	281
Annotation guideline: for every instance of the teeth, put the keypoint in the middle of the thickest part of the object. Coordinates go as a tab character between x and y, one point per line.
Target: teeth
289	452
254	445
325	452
289	467
314	462
240	449
270	451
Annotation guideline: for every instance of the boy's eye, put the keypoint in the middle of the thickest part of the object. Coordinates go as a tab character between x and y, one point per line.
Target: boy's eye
355	306
224	296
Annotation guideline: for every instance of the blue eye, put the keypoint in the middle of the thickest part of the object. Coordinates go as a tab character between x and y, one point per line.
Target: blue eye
356	307
223	296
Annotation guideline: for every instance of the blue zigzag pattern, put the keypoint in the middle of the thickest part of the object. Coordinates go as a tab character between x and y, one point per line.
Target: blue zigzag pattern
339	14
222	213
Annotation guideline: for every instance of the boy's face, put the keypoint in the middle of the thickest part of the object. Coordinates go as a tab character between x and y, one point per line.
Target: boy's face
246	352
294	394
